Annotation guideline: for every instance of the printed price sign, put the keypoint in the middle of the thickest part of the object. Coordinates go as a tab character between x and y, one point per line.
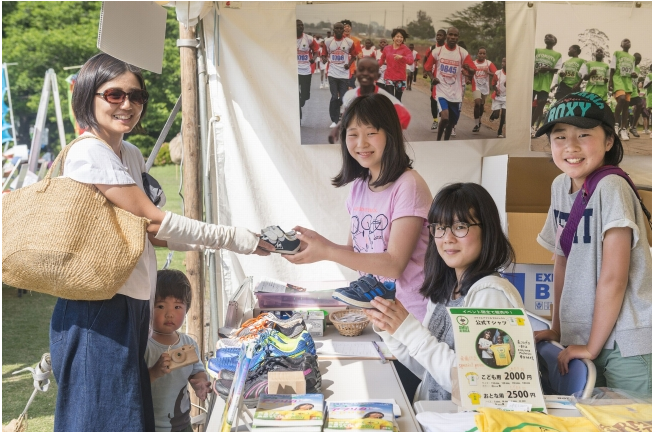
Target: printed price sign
496	358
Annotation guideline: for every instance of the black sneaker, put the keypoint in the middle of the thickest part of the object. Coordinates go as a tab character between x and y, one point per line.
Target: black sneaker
634	132
359	293
476	128
285	242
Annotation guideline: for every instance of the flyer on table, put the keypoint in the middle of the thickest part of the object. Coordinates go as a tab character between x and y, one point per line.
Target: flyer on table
496	358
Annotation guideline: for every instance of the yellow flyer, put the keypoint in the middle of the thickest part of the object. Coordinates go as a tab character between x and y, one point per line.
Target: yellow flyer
496	359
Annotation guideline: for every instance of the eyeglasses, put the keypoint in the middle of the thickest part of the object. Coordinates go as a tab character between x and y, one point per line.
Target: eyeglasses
459	229
117	96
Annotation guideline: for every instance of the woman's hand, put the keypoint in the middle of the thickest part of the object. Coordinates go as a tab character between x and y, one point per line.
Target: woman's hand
570	353
388	315
397	57
546	335
314	247
264	248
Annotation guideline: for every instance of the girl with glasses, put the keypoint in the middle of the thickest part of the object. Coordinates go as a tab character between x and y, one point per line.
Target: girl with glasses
467	249
98	347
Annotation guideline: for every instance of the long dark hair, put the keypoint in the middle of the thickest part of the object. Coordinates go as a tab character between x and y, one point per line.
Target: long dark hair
469	203
378	111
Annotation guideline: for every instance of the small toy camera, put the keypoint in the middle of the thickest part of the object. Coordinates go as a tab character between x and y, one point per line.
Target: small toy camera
183	356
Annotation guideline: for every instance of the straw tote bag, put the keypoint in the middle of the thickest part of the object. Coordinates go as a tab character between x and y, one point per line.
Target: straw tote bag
64	238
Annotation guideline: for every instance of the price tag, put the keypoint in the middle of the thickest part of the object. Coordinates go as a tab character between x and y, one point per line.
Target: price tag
496	359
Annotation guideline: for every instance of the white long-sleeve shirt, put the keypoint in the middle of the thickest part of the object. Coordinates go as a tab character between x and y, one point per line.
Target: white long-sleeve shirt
414	346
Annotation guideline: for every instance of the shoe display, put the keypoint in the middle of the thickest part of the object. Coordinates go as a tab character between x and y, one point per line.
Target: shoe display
359	293
476	128
624	136
257	381
307	364
284	242
271	343
435	125
634	132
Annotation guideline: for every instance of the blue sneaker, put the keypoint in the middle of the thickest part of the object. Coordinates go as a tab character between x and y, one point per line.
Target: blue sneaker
365	289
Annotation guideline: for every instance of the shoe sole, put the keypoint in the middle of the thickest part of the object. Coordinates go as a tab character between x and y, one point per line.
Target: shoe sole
292	252
363	305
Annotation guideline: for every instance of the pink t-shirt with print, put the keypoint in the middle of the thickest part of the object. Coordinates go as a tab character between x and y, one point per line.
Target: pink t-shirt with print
372	214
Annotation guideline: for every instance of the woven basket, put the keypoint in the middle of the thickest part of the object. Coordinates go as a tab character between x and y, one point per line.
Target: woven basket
349	329
64	238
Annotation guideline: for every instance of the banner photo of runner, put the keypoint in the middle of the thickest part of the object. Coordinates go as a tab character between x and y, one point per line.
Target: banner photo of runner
604	49
442	65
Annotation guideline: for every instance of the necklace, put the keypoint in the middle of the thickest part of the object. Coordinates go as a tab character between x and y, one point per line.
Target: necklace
169	334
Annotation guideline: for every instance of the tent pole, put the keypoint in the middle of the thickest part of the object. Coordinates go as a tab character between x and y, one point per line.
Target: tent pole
11	109
212	318
192	185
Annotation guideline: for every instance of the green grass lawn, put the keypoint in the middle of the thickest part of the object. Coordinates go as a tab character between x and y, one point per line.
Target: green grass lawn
26	323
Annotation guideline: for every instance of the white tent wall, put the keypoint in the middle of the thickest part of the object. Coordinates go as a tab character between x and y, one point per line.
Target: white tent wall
266	177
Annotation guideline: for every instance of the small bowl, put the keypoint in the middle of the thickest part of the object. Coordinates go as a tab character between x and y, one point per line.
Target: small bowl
345	328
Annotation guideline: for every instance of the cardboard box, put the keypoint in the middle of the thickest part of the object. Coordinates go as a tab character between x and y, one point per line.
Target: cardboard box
288	382
520	186
534	283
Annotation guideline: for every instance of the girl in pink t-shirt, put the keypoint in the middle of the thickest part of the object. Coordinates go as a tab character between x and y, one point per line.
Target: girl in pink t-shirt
388	204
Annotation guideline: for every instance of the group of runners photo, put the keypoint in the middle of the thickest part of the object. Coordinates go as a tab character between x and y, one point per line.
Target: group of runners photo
618	83
349	67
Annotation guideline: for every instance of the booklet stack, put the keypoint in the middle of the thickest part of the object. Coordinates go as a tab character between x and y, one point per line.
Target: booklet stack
360	417
289	413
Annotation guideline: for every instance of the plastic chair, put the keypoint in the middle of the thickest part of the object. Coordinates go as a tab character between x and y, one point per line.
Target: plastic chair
580	377
538	323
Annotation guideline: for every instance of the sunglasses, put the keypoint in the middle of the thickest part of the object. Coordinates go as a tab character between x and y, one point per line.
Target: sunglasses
117	96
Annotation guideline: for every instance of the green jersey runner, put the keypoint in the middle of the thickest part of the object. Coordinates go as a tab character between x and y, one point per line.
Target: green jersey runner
597	84
623	65
572	68
648	90
545	58
635	82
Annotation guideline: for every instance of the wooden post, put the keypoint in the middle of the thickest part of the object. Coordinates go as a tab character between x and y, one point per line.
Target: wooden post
192	189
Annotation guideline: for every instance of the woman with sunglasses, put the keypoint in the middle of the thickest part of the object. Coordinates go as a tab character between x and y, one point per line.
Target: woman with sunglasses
467	249
97	347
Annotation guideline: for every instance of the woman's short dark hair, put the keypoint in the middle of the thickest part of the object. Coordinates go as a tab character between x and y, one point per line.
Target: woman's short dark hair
401	31
173	283
469	203
96	71
378	111
614	156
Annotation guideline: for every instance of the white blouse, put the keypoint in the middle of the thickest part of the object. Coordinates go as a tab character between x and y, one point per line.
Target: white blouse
91	161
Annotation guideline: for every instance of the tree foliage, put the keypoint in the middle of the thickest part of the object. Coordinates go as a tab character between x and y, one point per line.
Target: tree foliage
43	35
422	27
482	25
592	39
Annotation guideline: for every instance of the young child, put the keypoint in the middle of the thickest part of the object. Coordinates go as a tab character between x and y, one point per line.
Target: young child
467	248
388	203
170	387
603	285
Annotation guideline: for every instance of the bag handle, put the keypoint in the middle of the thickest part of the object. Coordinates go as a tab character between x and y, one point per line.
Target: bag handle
582	200
61	157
